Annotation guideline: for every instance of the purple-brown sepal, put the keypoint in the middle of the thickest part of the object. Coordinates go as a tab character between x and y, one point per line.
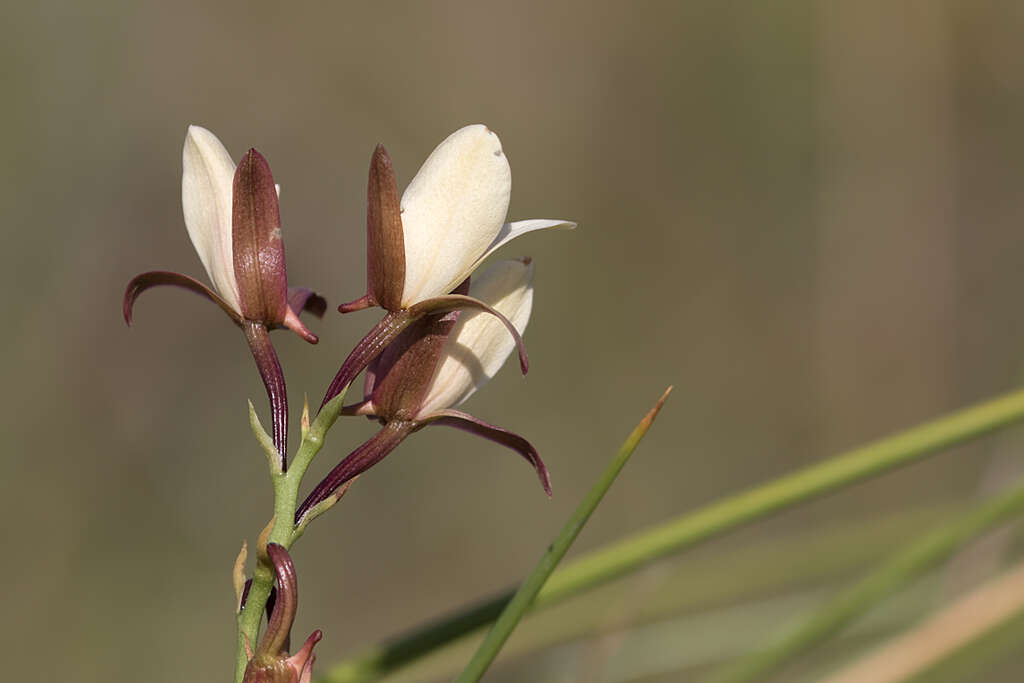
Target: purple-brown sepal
154	278
270	662
257	247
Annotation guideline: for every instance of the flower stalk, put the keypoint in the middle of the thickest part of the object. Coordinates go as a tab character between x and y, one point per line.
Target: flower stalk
283	531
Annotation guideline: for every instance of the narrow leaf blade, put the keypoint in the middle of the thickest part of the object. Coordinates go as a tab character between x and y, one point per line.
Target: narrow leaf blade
520	603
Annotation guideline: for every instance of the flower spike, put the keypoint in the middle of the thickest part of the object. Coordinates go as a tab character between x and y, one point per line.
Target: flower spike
234	221
435	363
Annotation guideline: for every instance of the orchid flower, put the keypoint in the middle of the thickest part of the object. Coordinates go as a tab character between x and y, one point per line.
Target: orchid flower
234	222
270	662
435	364
450	218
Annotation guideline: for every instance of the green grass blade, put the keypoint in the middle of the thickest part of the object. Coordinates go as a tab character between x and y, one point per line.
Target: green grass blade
686	531
520	602
964	641
903	567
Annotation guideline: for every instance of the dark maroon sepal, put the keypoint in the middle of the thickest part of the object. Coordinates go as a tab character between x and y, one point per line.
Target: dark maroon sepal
457	302
392	324
270	662
371	346
273	379
358	461
425	364
385	239
466	422
155	278
403	373
286	602
305	300
256	243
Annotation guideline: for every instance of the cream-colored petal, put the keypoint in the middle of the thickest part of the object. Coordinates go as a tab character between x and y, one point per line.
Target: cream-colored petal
206	181
479	344
510	231
453	210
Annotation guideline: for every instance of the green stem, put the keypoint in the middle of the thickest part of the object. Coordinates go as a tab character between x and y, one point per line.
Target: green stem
520	603
286	496
904	566
690	529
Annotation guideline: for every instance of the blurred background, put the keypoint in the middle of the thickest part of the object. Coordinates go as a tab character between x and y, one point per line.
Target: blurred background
805	216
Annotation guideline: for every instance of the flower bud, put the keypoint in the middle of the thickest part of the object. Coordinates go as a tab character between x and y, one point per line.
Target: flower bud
270	662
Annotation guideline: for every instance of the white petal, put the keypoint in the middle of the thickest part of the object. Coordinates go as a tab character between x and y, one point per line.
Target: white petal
206	180
510	231
453	210
479	344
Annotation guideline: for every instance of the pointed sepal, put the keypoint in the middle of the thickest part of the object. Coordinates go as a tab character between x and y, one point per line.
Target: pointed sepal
385	241
403	372
257	247
510	440
364	353
155	278
355	463
270	662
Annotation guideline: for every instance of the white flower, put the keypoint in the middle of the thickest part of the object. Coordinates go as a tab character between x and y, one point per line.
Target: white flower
433	366
234	222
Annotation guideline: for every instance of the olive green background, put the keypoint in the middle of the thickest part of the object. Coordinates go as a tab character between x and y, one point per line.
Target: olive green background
807	217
